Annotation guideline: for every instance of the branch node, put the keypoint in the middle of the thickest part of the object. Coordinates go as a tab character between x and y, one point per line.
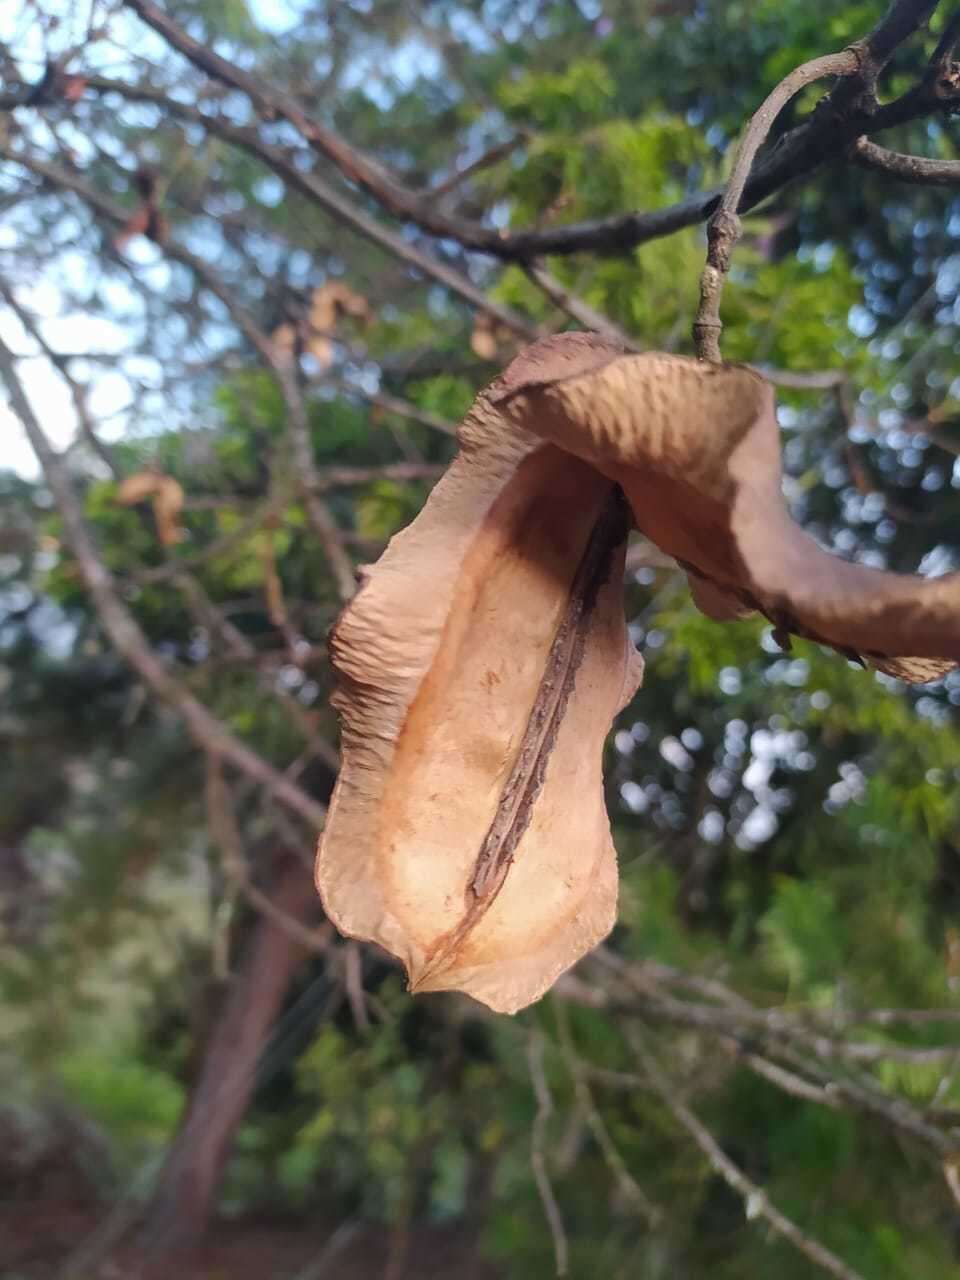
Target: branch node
723	231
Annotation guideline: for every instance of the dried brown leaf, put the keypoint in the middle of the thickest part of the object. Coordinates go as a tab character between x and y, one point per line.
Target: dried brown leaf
334	299
167	497
133	489
489	337
74	87
321	349
482	341
167	506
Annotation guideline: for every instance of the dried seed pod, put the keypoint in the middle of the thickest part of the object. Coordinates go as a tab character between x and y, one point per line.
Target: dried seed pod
485	655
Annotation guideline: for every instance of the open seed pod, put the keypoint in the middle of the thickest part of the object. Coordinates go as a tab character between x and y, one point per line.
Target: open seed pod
485	655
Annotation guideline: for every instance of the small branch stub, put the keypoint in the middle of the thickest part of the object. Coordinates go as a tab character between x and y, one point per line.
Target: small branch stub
724	228
723	232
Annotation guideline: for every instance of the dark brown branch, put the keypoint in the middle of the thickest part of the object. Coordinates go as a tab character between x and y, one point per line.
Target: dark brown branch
824	136
906	168
327	197
861	65
943	53
902	19
122	628
937	90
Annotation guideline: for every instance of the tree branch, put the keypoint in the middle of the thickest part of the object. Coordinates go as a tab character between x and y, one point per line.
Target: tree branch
538	1158
756	1201
333	202
118	622
224	829
824	136
906	168
778	1035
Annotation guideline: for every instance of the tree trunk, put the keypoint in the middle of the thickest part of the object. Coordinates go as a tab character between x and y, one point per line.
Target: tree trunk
186	1192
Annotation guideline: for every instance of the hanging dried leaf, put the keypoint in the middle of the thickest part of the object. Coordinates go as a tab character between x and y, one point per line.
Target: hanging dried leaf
167	506
489	336
135	225
328	304
57	82
484	656
321	349
334	299
482	341
146	219
135	488
166	496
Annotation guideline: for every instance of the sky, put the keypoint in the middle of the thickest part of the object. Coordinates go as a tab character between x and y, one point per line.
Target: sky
46	389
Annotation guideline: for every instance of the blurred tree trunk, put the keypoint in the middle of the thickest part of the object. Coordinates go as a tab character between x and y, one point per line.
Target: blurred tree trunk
186	1192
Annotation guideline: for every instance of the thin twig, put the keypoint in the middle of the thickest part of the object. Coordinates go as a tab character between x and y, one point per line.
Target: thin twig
808	147
197	600
392	404
804	1048
906	168
756	1201
62	365
317	1267
538	1158
493	156
576	308
626	1182
226	833
774	1023
353	984
123	629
